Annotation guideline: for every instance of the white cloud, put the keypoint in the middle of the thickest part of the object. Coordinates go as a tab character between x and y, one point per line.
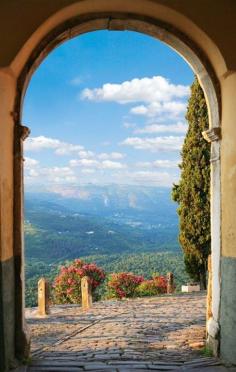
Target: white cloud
68	148
151	178
154	178
162	128
112	155
154	89
94	164
65	148
41	142
29	162
87	171
143	164
32	173
108	164
171	109
84	163
165	163
60	147
50	174
86	154
155	144
157	164
57	171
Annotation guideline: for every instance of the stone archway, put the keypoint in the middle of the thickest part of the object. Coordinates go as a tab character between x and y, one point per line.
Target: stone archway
169	26
206	75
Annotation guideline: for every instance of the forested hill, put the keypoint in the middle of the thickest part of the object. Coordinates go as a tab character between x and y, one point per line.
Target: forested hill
116	220
121	228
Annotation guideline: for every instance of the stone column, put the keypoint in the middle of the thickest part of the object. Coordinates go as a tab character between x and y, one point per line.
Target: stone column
43	297
213	136
170	283
86	293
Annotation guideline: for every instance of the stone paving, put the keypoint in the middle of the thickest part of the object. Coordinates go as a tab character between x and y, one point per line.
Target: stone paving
155	333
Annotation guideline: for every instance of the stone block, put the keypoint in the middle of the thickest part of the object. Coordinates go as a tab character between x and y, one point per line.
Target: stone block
190	288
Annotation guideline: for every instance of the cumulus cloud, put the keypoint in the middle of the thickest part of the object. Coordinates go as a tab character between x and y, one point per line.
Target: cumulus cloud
157	96
41	142
112	155
86	154
154	144
29	162
162	128
165	163
87	171
108	164
32	173
64	148
84	163
146	177
50	174
171	109
153	178
57	171
154	89
60	147
68	149
89	163
158	164
143	164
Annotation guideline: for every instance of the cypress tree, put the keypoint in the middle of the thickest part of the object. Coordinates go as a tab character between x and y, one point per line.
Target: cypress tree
193	191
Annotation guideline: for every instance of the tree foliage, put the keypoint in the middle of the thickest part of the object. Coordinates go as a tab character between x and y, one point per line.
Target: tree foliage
193	191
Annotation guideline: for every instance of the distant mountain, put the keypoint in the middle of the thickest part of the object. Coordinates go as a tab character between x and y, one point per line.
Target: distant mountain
116	201
89	219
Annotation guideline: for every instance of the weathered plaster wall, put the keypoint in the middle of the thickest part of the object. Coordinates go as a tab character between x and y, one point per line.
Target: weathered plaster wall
194	20
228	165
7	95
228	181
203	13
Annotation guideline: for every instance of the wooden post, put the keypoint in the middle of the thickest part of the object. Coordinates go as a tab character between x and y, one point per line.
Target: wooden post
170	283
86	293
43	297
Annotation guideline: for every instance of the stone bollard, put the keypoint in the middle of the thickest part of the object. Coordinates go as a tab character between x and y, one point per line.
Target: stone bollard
43	297
86	293
170	283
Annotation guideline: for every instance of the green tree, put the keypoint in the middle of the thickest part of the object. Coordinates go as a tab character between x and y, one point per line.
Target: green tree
193	191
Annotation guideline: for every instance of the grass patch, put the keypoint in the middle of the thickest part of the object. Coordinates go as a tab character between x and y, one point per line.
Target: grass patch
207	352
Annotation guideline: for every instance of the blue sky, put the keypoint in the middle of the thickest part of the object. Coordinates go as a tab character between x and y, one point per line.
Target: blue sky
106	107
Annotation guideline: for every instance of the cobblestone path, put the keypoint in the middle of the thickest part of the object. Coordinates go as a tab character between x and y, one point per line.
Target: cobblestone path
156	333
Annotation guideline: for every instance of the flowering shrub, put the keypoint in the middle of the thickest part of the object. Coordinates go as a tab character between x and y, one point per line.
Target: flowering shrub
156	285
67	285
122	285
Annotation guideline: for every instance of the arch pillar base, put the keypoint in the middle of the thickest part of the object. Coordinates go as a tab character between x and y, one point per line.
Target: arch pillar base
227	310
213	336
